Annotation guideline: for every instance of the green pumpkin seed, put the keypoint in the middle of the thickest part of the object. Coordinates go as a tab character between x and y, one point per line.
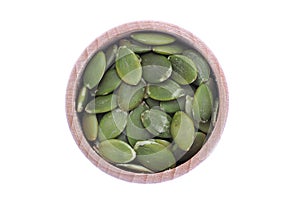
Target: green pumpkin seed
135	168
163	142
82	99
202	104
184	69
213	88
151	102
111	55
152	38
112	124
157	122
201	65
132	141
109	82
94	70
168	49
136	48
156	68
135	128
116	151
197	145
182	130
102	104
173	105
154	156
165	91
90	126
204	127
128	66
130	96
188	105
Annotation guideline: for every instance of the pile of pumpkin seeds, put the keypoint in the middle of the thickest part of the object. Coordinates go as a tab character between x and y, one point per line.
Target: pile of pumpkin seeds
147	102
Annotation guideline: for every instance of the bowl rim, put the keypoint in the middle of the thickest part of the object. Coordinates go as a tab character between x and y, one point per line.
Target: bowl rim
74	81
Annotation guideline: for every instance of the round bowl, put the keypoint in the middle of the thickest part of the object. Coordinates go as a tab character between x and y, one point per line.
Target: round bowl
74	84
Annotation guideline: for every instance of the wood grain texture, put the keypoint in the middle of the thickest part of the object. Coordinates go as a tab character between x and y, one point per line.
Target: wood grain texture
73	85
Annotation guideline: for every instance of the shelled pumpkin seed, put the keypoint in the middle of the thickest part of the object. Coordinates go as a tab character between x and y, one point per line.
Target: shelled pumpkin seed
147	102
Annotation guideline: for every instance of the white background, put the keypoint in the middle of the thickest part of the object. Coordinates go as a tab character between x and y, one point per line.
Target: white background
257	44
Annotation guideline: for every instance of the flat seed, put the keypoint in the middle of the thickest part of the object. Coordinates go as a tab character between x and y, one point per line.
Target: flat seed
213	88
130	96
201	65
90	126
154	156
94	70
102	104
116	151
156	68
135	128
168	49
152	103
128	66
197	145
188	105
152	38
202	104
112	124
111	55
136	48
163	142
157	122
109	82
165	91
204	127
184	69
182	130
135	168
82	99
173	105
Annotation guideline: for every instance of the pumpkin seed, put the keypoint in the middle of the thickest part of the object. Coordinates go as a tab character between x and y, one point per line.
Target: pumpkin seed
109	82
184	69
135	128
151	102
152	38
82	99
215	113
201	65
202	104
165	91
156	68
168	49
157	122
136	48
204	127
173	105
154	156
94	70
182	130
188	105
112	124
197	145
132	141
163	142
90	126
102	104
128	66
116	151
213	88
135	168
130	96
111	55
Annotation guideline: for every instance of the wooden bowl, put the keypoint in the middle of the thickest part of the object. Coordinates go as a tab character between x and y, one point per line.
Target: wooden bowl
73	85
